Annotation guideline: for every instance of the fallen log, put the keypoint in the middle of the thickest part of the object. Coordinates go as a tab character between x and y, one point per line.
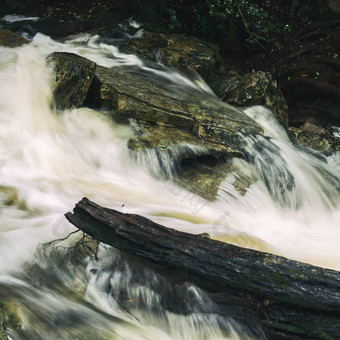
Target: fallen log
287	299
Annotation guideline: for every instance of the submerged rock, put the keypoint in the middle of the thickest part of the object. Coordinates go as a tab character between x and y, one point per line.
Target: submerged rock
73	77
10	322
241	184
175	50
171	139
10	39
8	195
202	178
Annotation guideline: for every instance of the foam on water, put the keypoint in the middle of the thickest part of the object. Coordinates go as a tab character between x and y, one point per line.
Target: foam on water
15	18
49	161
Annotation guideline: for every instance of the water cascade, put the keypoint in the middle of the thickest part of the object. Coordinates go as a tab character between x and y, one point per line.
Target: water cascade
49	161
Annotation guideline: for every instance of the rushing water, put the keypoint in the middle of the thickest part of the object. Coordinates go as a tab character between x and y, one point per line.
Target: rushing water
48	162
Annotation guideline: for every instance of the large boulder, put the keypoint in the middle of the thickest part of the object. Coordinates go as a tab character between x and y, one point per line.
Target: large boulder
255	88
175	50
10	39
73	77
188	125
203	119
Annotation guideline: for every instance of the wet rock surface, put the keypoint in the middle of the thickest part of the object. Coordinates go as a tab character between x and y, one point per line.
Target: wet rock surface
255	88
204	177
208	120
316	135
185	125
8	195
11	39
175	50
325	142
73	77
179	143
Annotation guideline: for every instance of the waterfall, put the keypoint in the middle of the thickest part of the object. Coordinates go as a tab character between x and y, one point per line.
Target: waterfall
49	161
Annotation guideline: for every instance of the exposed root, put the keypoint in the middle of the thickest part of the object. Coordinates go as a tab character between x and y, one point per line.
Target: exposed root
86	246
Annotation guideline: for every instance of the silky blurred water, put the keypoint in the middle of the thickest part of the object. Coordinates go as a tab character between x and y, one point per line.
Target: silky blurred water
49	161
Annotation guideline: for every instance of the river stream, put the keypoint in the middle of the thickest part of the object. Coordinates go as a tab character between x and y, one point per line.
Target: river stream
49	161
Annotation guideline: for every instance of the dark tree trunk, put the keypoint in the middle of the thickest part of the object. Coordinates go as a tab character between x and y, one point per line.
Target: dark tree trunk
287	299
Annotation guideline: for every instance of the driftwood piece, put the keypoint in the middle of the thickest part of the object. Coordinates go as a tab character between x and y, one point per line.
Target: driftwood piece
288	299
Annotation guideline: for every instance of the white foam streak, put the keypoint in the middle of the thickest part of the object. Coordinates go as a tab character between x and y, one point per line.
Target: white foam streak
14	18
110	56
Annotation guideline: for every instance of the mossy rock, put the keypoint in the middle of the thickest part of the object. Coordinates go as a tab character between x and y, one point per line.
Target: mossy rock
207	121
316	134
255	88
172	140
187	124
202	165
10	39
241	184
73	77
177	51
321	142
225	83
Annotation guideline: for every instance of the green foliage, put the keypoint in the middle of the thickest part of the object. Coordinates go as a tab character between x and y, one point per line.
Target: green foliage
221	19
174	24
249	16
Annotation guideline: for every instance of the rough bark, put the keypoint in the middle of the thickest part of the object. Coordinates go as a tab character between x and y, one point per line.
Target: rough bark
287	299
